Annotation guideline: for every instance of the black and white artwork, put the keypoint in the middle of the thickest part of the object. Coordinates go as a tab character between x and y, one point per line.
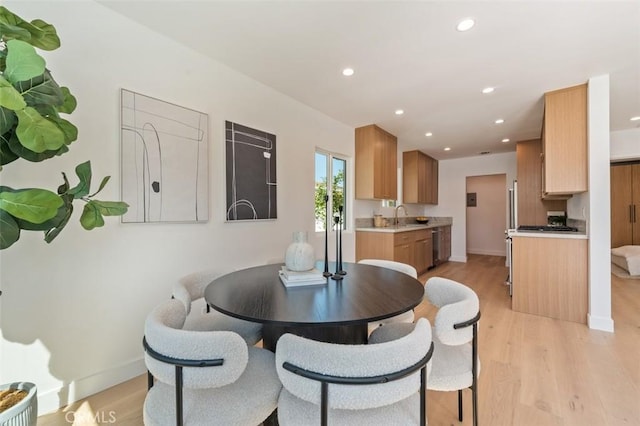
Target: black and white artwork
251	173
164	161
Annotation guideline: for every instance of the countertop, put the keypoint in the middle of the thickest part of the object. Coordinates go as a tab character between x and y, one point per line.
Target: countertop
548	234
404	228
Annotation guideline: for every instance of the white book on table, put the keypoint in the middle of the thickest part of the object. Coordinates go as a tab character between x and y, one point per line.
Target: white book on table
312	274
297	280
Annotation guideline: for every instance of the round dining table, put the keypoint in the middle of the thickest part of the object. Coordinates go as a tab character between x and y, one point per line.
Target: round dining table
336	311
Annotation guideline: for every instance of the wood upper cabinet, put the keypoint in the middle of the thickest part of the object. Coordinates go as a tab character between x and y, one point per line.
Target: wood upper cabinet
376	169
625	205
564	141
419	178
532	210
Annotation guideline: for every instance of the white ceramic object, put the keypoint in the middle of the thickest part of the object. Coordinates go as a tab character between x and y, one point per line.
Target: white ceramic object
300	255
24	413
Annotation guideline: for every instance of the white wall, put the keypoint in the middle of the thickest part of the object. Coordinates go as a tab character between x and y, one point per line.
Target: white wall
452	192
73	311
599	212
625	144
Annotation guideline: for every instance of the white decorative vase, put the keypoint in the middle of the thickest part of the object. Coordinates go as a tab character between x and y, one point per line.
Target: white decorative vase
300	255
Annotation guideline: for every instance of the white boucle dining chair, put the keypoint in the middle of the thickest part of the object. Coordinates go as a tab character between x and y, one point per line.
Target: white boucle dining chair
456	364
204	377
406	317
200	317
342	384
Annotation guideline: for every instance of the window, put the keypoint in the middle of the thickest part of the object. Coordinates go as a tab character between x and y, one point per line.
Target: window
328	164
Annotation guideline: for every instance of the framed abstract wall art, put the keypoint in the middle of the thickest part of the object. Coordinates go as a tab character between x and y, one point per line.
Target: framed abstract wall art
251	173
164	155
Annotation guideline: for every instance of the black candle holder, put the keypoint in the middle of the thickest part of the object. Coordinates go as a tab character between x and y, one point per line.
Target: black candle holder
326	272
339	254
337	276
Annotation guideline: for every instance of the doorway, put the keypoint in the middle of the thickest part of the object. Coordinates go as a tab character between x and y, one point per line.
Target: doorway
486	214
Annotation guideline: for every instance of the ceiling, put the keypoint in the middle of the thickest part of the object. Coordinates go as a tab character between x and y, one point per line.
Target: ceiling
409	56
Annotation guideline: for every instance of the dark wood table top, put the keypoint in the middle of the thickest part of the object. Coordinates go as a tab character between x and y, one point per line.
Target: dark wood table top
365	294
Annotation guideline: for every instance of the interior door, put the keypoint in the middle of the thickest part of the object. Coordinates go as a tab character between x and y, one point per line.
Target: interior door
635	188
621	206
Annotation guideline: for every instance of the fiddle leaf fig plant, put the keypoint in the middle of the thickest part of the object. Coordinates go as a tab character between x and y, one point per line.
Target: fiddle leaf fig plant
32	129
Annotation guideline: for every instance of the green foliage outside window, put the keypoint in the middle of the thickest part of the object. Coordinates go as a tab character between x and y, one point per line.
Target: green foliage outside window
337	186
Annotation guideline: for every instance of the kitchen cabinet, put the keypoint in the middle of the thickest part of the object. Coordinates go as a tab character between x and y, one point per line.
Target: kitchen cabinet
564	141
411	247
532	209
376	164
550	277
419	178
625	204
423	250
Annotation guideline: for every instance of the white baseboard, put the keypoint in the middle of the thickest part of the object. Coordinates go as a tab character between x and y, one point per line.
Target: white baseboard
81	388
600	323
462	259
487	252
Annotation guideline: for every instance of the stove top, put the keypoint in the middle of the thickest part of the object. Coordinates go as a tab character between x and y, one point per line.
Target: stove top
547	228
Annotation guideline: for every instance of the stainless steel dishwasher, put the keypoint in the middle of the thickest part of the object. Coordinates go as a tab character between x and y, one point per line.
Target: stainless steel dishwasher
436	241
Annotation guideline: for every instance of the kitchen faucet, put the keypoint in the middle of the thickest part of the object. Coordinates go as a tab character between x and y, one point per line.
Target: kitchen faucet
396	213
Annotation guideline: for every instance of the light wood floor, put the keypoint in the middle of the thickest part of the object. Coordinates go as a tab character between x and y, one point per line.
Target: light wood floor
535	371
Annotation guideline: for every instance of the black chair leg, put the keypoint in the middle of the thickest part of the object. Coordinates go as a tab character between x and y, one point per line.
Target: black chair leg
460	404
474	393
149	380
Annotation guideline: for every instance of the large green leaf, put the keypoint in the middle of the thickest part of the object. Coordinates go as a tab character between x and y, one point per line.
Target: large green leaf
37	133
47	38
70	103
23	62
8	120
111	208
47	224
53	232
6	155
41	90
10	26
37	32
91	216
18	149
70	131
9	230
34	205
9	97
84	174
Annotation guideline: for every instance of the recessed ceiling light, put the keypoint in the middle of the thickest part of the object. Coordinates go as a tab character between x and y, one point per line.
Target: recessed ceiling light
499	121
399	112
347	72
636	118
505	140
447	149
488	90
466	24
428	134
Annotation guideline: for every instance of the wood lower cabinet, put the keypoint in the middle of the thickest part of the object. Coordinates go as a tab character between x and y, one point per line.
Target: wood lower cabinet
625	204
550	277
419	178
376	164
411	247
564	141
